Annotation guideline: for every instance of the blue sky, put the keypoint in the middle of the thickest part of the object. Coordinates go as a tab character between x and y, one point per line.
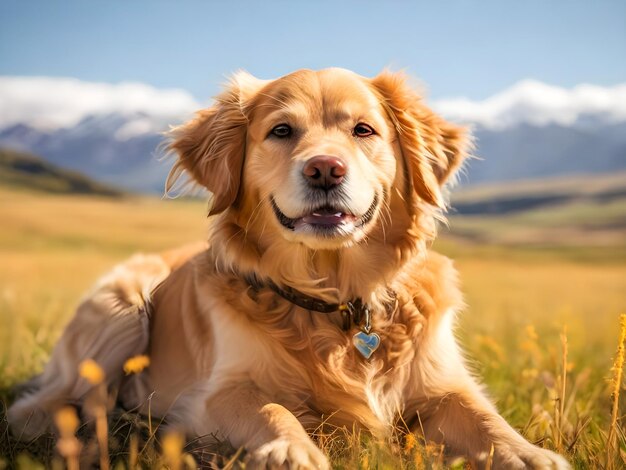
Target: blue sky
458	48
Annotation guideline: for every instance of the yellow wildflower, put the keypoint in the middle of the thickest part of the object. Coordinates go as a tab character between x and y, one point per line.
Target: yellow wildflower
68	446
66	421
136	364
172	447
409	442
91	371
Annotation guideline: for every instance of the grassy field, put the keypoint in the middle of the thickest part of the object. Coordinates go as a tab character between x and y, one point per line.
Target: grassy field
541	327
580	217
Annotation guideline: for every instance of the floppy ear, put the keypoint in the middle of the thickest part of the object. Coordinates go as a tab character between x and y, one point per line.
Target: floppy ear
211	147
433	148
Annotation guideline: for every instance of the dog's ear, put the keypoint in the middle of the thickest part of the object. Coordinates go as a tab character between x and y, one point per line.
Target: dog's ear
433	148
211	147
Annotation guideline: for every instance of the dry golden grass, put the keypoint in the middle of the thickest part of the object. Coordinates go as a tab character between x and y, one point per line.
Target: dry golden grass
540	328
613	448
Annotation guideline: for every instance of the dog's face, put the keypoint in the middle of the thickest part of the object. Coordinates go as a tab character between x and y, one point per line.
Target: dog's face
318	156
321	154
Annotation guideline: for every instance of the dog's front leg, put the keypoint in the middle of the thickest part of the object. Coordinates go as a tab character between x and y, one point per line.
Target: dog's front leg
468	425
272	435
450	408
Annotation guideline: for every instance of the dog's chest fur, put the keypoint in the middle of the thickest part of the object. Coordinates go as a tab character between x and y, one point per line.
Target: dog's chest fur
223	334
307	362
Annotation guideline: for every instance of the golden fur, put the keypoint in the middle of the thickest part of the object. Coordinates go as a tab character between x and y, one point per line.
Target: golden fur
230	356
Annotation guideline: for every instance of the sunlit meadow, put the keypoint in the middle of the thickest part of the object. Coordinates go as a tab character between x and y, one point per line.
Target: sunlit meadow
541	327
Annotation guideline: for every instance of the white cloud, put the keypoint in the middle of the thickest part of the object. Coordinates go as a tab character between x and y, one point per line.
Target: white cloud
533	102
52	103
139	126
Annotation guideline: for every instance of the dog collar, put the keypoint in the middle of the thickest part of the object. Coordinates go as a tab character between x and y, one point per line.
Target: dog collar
308	302
353	312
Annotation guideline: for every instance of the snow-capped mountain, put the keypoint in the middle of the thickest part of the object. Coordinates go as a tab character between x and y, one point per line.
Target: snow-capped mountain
111	132
534	130
106	147
108	132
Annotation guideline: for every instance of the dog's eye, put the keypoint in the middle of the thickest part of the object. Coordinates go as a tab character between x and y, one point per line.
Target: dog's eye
281	130
363	130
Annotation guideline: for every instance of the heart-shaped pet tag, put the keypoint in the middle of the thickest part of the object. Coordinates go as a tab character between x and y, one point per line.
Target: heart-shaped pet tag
366	343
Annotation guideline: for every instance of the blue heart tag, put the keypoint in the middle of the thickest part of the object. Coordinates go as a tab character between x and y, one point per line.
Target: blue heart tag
366	343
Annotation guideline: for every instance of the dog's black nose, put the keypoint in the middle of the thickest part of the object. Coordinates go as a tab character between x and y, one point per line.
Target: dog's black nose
324	171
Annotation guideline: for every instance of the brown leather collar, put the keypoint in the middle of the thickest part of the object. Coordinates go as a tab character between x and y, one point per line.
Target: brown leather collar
305	301
352	311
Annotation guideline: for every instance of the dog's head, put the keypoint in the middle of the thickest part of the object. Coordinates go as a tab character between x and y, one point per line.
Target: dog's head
324	159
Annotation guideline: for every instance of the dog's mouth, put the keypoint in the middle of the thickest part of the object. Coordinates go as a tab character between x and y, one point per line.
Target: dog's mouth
326	219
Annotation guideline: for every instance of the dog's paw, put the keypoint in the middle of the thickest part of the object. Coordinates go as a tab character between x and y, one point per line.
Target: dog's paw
528	457
301	454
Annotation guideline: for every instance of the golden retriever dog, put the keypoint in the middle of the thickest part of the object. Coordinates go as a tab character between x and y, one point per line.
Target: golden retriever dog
316	299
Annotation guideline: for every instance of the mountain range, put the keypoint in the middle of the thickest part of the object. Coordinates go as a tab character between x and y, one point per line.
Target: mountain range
92	147
112	132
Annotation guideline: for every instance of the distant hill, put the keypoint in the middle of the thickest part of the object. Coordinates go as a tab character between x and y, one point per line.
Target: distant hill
580	212
100	148
521	196
27	171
